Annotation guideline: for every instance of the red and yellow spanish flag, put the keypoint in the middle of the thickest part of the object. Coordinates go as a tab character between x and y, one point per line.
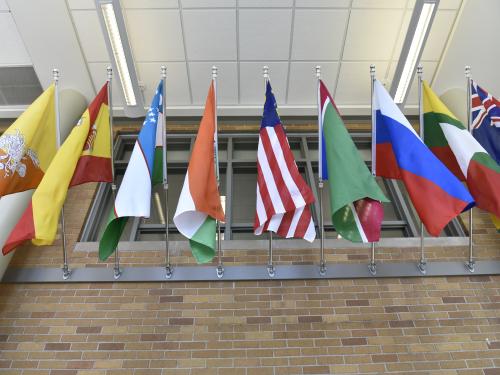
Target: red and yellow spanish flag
28	146
87	147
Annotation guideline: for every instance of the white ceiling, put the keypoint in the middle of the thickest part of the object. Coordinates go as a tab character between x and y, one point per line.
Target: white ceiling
240	36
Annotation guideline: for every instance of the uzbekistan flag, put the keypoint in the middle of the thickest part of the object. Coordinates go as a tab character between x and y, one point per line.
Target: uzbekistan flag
28	146
355	197
481	172
199	203
134	196
438	196
40	220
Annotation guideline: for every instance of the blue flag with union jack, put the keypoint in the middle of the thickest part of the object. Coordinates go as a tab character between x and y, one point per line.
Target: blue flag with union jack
486	120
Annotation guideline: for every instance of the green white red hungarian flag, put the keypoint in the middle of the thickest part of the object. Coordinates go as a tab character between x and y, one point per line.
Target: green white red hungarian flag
199	203
355	197
451	142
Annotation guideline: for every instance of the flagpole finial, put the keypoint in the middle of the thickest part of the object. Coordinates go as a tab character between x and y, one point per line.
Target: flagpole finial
55	74
214	72
318	71
109	69
420	70
372	70
467	71
265	72
163	70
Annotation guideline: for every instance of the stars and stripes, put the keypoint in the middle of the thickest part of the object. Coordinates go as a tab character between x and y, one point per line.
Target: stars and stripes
283	197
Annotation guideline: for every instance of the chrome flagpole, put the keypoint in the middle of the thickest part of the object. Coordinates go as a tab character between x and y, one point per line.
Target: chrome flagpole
471	264
66	272
220	267
372	267
422	264
322	263
168	267
270	266
116	269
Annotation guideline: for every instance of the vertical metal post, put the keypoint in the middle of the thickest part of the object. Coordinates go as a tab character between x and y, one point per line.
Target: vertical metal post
270	266
116	269
372	267
471	264
168	266
66	272
422	264
220	267
322	263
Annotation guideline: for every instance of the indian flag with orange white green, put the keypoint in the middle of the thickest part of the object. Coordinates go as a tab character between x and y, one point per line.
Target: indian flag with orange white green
199	203
455	146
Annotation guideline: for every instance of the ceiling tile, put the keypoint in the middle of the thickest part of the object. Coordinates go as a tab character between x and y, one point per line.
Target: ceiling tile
177	88
449	4
262	37
99	74
323	3
303	83
155	35
81	4
402	35
210	34
90	34
200	74
149	4
440	30
252	82
208	3
324	27
265	3
391	4
13	51
3	5
372	33
354	82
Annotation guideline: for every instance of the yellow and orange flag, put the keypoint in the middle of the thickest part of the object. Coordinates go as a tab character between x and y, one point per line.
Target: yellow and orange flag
28	146
85	156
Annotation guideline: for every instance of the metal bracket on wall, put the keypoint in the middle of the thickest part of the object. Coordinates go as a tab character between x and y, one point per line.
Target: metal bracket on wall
250	272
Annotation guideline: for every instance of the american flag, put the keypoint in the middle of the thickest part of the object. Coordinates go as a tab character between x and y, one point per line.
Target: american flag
283	197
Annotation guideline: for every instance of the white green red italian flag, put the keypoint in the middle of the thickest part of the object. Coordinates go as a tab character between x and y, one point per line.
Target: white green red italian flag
455	146
199	203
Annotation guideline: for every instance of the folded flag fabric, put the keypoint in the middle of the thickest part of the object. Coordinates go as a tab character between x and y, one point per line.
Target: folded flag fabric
355	197
199	203
39	221
481	172
28	146
283	197
438	196
134	195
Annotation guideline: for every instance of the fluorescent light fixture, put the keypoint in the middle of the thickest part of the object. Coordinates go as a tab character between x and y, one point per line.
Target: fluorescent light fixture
115	39
418	30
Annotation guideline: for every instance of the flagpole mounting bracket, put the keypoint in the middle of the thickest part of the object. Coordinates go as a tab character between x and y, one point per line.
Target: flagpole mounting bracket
220	271
66	273
169	271
117	273
322	268
471	266
271	271
422	267
372	267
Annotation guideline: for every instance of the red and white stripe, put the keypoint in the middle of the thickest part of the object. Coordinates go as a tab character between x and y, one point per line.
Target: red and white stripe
283	197
484	106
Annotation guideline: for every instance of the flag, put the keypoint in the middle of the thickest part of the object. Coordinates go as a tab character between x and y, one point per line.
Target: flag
28	146
39	221
438	196
199	203
481	172
134	196
355	197
486	126
283	197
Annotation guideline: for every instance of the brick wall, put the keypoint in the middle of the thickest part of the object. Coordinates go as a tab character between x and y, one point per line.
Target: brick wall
441	325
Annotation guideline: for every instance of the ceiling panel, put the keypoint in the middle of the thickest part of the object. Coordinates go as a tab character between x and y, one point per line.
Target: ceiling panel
252	82
81	4
177	87
303	83
208	3
149	4
393	4
210	34
90	35
155	35
265	3
99	75
441	27
12	51
200	74
262	37
324	27
372	33
3	5
354	81
323	3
